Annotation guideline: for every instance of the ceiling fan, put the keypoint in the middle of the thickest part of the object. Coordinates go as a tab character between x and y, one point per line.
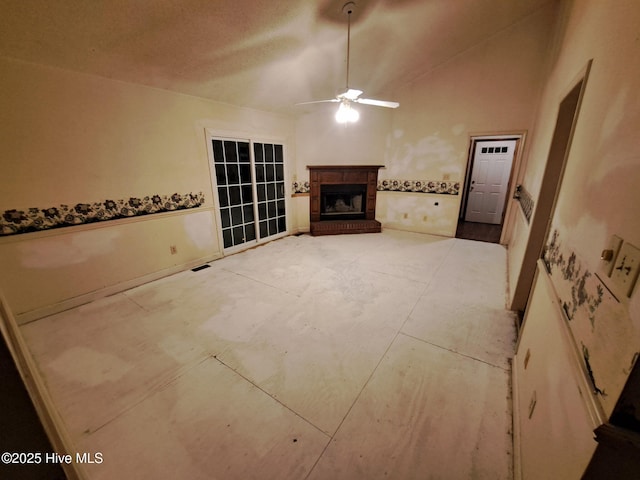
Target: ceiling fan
351	95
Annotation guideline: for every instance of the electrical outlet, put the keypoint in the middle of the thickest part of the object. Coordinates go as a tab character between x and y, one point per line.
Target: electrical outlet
609	255
625	270
173	249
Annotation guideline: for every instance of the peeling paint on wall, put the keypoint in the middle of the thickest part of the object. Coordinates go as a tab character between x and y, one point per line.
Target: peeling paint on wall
599	323
63	251
458	129
433	214
200	229
571	270
427	154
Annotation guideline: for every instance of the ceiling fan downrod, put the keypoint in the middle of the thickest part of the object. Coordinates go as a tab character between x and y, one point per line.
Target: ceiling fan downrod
348	10
345	112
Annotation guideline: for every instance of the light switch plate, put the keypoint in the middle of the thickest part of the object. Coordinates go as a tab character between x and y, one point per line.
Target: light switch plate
605	267
625	270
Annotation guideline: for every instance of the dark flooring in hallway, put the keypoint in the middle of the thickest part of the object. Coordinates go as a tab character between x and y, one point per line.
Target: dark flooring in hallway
481	232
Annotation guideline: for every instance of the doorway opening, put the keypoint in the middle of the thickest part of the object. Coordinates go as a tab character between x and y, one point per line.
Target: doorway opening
249	191
487	187
566	121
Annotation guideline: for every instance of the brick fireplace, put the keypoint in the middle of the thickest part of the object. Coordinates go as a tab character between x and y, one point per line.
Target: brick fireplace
343	199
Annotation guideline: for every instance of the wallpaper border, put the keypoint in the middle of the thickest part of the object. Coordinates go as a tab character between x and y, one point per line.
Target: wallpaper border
525	200
300	187
396	185
14	221
419	186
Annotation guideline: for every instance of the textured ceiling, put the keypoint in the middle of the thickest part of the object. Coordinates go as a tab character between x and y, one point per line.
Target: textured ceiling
265	54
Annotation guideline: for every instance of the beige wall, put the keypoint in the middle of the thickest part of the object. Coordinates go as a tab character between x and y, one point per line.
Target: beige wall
599	193
70	138
490	88
320	140
73	138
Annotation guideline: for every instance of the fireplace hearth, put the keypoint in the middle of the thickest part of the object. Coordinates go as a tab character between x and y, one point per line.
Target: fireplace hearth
343	199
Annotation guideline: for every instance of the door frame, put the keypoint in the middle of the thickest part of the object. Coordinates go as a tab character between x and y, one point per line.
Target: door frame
516	164
550	187
210	135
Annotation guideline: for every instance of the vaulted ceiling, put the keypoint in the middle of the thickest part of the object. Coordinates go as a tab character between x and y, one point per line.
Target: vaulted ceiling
264	54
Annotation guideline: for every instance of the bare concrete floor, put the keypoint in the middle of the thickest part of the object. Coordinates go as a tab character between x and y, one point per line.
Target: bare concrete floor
343	357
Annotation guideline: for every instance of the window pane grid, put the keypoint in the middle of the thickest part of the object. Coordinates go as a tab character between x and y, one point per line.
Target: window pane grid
235	194
232	166
269	171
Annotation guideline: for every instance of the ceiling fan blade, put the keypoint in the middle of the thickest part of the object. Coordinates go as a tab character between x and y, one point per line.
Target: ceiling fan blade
377	103
352	94
333	100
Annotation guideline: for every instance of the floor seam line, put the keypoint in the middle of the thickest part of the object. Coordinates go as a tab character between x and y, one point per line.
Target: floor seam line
157	387
427	284
355	401
393	275
263	283
319	457
453	351
321	379
132	300
366	383
215	357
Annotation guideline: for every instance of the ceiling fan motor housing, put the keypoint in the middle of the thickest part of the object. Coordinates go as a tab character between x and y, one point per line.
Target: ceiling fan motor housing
348	8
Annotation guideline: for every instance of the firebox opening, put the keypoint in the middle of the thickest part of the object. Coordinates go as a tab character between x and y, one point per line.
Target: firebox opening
342	202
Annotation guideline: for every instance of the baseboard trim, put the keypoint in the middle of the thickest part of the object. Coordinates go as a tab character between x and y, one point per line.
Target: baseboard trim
36	388
515	409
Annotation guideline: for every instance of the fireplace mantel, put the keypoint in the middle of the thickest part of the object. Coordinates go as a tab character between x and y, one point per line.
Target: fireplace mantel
336	179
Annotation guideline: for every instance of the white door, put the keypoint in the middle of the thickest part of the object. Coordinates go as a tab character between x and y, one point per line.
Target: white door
489	181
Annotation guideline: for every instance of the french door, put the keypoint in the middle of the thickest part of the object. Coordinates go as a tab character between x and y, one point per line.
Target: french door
250	189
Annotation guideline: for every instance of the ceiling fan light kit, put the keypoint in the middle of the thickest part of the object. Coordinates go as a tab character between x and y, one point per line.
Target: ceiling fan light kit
346	113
